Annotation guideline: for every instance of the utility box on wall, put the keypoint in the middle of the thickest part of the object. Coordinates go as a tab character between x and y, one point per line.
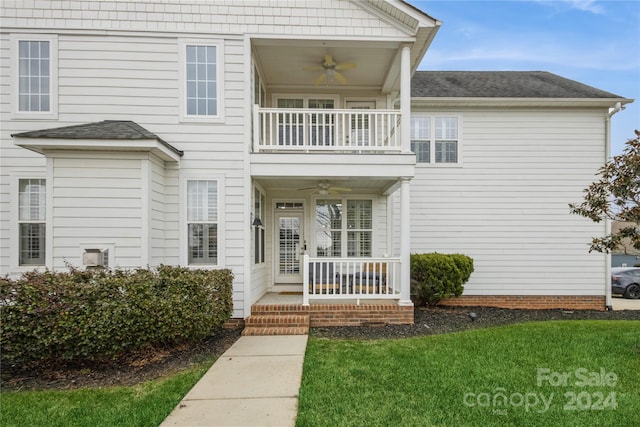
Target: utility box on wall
95	258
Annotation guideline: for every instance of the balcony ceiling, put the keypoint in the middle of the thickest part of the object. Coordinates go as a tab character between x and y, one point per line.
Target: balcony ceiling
282	64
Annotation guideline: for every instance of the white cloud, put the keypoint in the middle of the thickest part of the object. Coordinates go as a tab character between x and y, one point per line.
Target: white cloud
586	5
591	6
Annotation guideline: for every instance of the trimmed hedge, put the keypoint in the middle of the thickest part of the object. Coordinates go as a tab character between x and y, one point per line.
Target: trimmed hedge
436	276
86	316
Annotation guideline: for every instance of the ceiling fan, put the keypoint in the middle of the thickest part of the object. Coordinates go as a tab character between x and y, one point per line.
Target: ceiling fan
324	188
330	70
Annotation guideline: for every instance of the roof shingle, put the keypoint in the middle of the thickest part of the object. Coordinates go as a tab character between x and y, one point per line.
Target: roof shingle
500	84
107	129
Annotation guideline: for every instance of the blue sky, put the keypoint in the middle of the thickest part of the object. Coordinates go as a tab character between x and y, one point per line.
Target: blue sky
595	42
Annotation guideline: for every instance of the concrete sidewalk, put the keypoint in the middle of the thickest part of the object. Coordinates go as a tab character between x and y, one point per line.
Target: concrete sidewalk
254	383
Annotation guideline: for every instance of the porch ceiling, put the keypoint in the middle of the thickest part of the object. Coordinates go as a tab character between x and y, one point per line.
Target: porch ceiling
305	185
283	62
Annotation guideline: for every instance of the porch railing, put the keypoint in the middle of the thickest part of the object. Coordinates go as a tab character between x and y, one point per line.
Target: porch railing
350	278
325	130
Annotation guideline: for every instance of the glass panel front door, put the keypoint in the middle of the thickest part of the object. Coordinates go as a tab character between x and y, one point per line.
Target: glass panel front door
289	247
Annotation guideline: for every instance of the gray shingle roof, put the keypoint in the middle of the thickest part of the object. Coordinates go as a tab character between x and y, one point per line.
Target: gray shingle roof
500	84
107	129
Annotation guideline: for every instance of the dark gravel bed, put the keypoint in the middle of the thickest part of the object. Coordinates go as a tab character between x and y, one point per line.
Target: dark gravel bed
440	320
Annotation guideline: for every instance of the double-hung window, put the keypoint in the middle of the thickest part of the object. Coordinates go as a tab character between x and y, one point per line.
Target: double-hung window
344	226
202	222
201	80
31	222
35	76
435	139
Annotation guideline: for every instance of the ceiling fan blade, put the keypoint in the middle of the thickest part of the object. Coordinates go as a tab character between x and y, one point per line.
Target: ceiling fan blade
339	77
341	189
313	68
328	61
320	79
347	66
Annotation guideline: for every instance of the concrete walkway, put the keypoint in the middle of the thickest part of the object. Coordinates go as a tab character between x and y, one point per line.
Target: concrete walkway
254	383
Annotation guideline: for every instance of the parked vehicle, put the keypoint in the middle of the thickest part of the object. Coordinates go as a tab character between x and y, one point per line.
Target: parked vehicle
625	281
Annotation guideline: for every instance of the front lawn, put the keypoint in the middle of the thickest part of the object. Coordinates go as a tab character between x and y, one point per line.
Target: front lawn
561	373
146	404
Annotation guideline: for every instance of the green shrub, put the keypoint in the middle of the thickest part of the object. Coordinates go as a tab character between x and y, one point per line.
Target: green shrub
436	276
80	316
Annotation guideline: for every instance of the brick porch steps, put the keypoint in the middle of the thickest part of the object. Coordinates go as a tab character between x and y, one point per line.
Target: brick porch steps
337	314
276	323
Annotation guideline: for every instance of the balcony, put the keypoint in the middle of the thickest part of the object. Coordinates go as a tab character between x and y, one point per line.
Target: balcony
324	130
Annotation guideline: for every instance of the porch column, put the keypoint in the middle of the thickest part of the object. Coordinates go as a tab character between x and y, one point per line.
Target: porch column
405	243
405	99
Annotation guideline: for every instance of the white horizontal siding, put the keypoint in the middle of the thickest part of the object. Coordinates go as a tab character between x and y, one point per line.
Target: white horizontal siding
507	205
120	223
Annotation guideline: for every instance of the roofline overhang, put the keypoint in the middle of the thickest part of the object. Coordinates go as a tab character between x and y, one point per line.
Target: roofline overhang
43	145
517	102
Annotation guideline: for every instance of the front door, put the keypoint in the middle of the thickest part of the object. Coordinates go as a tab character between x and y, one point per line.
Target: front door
289	247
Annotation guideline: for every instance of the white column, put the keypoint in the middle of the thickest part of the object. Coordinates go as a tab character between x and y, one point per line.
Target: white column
405	99
405	243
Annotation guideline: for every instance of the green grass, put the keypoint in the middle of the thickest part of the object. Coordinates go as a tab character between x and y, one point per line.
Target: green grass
146	404
424	381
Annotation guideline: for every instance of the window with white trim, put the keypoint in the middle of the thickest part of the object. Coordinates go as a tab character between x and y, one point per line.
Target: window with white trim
202	222
35	75
31	222
258	226
344	226
435	139
201	80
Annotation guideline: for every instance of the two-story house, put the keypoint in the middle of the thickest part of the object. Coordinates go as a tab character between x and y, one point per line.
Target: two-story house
294	143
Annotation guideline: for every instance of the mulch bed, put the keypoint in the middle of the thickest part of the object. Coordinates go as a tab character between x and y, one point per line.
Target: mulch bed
157	363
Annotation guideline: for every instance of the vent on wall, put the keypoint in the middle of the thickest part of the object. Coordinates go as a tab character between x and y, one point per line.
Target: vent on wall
95	258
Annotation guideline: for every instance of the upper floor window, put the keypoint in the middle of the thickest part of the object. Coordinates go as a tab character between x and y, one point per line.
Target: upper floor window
435	139
35	76
31	222
201	82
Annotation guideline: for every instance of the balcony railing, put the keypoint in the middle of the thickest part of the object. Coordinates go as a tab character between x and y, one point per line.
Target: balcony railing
278	129
350	278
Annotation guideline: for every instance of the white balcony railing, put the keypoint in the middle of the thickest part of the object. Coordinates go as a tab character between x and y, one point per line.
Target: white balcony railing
325	130
350	278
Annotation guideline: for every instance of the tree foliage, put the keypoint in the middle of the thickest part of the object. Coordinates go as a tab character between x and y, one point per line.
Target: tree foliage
616	196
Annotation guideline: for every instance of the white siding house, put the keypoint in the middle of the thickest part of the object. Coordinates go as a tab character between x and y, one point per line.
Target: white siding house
293	143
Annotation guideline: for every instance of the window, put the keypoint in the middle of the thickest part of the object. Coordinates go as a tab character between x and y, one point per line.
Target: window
437	135
333	223
201	80
359	226
35	76
421	138
31	219
446	139
202	222
202	92
259	229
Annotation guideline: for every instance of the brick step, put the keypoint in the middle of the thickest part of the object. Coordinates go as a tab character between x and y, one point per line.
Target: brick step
249	331
277	320
276	324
